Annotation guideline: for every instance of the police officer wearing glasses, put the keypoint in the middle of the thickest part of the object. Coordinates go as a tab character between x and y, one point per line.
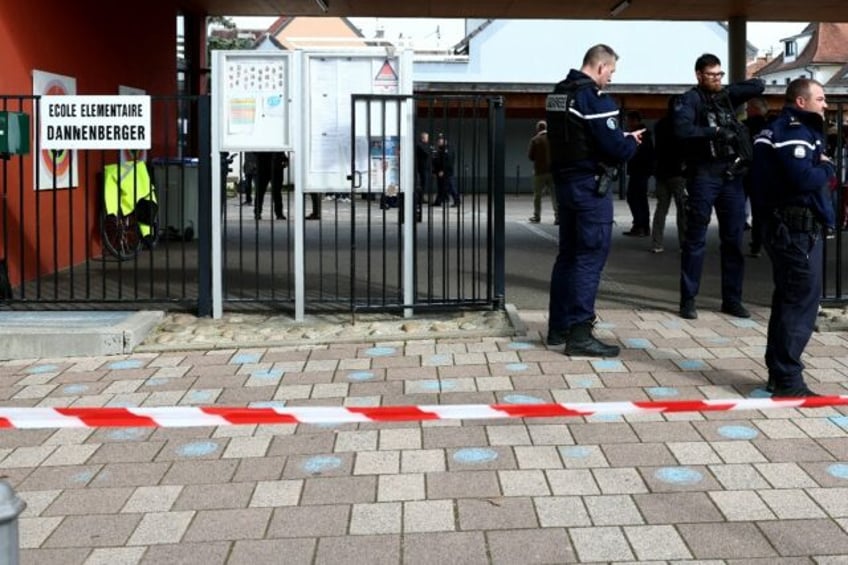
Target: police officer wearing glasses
587	146
791	183
718	153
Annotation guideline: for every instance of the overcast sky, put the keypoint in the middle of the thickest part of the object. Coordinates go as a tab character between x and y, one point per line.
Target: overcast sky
429	32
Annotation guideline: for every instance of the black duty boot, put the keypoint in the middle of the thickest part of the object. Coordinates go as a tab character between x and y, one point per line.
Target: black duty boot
795	391
581	343
735	309
556	337
688	310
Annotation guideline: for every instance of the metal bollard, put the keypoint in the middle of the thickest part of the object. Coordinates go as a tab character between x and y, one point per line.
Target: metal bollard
11	506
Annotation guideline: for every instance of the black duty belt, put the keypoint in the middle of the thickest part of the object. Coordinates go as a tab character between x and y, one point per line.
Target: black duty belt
798	219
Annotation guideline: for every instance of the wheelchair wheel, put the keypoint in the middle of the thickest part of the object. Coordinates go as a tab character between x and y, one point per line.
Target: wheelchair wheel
121	236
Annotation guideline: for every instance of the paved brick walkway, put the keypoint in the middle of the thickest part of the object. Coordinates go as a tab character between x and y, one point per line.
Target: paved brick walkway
738	487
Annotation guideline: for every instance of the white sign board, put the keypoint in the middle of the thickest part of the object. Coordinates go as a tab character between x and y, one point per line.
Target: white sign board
94	122
330	79
254	100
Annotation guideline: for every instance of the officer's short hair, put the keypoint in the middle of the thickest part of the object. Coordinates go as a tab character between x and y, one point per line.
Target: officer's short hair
760	104
599	53
705	61
799	87
541	125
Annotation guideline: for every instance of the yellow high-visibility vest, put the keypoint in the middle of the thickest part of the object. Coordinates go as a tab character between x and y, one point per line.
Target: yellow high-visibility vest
132	191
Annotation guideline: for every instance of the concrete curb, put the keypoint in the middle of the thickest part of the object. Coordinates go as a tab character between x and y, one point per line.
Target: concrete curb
33	335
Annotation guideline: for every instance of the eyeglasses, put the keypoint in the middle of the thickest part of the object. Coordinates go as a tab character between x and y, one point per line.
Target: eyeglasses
719	74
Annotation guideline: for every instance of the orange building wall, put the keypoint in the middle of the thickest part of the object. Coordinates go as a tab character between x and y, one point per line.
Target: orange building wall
102	45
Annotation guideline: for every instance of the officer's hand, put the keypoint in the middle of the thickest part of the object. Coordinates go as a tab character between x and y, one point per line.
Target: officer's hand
825	159
637	135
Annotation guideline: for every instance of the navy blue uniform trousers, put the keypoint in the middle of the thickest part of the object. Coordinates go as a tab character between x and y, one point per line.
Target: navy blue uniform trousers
728	198
585	227
796	259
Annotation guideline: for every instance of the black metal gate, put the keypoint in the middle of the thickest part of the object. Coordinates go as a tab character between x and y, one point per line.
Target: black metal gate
836	251
79	227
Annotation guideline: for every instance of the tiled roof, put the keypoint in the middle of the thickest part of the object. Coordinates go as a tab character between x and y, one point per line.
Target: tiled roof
828	45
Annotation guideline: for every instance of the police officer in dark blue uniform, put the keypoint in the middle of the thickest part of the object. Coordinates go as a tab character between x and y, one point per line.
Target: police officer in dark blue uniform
791	183
587	146
718	153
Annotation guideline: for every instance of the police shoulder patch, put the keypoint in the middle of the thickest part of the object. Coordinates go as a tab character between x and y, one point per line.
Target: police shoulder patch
612	123
800	152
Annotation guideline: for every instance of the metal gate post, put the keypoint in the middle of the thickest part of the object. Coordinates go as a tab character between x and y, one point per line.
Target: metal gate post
204	205
498	177
11	507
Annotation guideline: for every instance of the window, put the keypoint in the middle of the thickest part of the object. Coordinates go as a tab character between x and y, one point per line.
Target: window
790	49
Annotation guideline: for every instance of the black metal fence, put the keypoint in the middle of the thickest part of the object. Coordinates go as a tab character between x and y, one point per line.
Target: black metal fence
81	227
836	251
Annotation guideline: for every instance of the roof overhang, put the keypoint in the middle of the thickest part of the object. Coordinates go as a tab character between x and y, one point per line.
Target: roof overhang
753	10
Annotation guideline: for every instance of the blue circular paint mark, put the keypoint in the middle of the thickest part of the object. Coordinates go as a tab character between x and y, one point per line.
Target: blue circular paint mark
75	389
201	396
604	418
437	386
38	369
321	463
472	455
663	391
516	367
127	364
576	452
584	383
522	399
838	470
267	374
360	376
759	393
738	432
679	475
440	359
124	434
245	358
83	476
197	449
520	345
841	421
156	381
380	351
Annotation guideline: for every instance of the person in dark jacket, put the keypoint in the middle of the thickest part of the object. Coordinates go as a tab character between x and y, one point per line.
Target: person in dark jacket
639	171
587	146
718	151
671	181
443	163
269	169
791	183
756	120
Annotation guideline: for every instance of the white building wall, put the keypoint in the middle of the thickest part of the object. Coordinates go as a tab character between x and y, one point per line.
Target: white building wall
543	51
821	73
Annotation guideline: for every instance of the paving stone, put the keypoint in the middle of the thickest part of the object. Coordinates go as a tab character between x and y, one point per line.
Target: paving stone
400	487
379	518
37	501
423	461
199	472
530	546
303	466
219	497
508	435
600	544
207	553
309	521
116	556
740	540
550	434
250	552
741	505
161	528
833	500
614	510
693	453
216	525
738	477
619	481
523	483
806	537
561	511
651	432
373	550
692	478
400	439
538	457
572	482
33	531
603	433
737	452
341	490
127	453
89	501
480	458
55	556
377	462
263	469
466	484
656	542
677	508
93	530
462	437
638	454
428	516
302	444
785	475
794	450
789	504
152	499
496	513
453	548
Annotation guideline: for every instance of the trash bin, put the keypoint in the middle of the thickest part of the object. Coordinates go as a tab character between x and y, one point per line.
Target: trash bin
175	180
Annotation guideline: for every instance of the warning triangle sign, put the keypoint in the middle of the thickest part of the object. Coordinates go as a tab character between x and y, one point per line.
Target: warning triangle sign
386	72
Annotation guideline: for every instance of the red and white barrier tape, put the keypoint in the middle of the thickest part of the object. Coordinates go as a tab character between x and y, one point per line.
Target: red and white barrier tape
189	416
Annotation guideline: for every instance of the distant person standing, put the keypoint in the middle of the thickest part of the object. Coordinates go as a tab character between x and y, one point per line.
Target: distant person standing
671	181
423	164
269	169
791	185
639	171
443	164
543	182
